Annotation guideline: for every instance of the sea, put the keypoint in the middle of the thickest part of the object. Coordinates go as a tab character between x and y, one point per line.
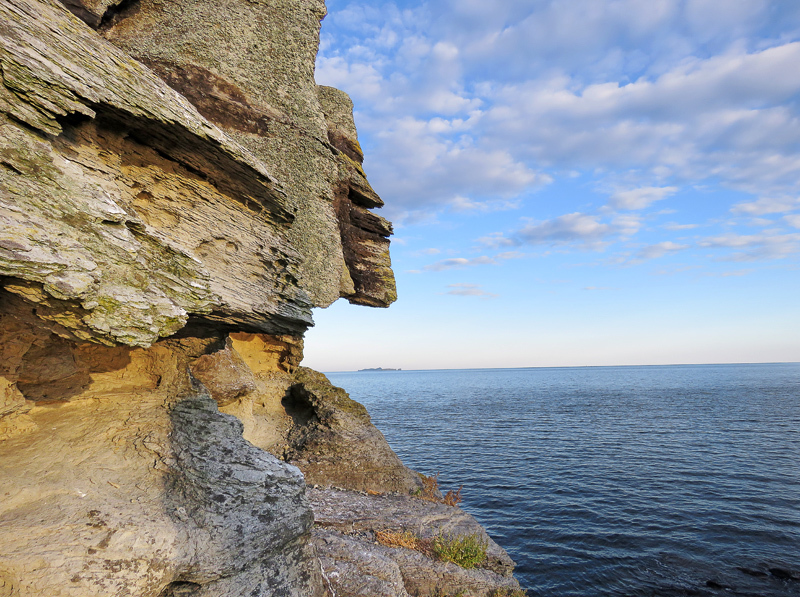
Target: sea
642	481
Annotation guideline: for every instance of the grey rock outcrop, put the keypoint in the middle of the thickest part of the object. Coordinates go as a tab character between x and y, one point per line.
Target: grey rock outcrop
355	564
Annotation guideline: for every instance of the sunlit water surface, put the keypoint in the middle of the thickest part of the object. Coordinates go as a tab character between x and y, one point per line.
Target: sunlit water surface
679	480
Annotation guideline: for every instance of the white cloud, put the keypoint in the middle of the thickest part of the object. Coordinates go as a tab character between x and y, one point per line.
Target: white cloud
458	262
469	290
793	220
496	240
719	117
467	105
767	205
465	204
586	231
510	255
641	198
416	166
732	274
360	79
657	250
626	225
674	226
570	228
755	247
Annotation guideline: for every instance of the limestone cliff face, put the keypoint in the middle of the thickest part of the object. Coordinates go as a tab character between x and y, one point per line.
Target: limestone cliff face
176	194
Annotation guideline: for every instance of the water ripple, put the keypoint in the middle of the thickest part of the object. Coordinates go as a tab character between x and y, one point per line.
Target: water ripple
617	481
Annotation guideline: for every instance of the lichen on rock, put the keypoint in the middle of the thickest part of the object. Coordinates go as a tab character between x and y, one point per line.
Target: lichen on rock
176	194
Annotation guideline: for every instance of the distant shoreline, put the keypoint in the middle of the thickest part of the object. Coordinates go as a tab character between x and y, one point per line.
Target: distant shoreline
575	367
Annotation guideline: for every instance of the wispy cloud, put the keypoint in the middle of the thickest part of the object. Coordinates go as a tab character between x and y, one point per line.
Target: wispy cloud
793	221
730	274
767	205
459	262
755	247
464	100
586	231
578	228
469	290
674	226
465	204
659	250
641	198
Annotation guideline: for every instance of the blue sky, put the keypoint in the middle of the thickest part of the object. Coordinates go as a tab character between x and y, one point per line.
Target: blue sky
574	182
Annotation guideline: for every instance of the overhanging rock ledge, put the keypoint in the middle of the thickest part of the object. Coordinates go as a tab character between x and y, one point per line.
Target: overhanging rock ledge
176	194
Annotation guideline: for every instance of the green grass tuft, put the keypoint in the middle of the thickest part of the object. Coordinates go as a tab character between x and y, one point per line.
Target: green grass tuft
468	551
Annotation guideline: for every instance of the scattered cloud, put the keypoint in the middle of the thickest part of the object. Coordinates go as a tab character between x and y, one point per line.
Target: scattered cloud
755	247
469	290
676	270
510	255
578	228
465	204
586	231
415	166
766	205
496	240
459	262
793	220
674	226
635	199
659	250
467	108
730	274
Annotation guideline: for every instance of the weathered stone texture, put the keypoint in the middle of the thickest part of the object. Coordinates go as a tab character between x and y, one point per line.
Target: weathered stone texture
259	87
334	442
176	194
365	236
355	565
124	212
130	479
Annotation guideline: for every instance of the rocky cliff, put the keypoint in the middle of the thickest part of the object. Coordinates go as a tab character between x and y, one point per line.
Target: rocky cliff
176	194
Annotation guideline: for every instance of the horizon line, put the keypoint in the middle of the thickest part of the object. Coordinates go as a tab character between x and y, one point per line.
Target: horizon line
388	370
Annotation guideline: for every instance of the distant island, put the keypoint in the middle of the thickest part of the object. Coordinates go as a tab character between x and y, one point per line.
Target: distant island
379	369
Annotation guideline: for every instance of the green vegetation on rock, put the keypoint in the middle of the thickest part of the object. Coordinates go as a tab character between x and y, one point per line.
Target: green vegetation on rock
468	551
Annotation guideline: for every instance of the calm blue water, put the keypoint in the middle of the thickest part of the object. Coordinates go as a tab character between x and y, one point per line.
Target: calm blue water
679	480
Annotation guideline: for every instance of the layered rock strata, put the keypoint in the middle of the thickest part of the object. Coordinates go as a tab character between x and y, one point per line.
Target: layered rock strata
176	194
259	88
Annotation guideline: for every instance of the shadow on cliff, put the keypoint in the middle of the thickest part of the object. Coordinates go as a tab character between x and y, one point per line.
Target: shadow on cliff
242	513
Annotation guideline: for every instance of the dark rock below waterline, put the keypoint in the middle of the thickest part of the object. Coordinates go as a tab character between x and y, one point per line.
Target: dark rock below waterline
783	574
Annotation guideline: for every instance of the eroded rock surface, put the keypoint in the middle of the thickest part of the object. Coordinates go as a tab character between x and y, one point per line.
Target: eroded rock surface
259	87
334	442
355	564
130	480
124	212
176	194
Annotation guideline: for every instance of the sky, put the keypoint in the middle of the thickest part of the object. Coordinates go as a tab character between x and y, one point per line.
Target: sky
574	182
